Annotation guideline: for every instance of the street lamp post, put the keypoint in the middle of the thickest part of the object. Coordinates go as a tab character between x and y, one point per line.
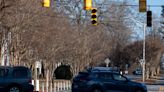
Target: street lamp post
144	43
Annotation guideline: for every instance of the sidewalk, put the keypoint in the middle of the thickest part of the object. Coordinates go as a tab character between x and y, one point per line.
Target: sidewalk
148	81
159	80
156	80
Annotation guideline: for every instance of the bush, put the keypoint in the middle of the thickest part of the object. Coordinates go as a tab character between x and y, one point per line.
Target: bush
63	72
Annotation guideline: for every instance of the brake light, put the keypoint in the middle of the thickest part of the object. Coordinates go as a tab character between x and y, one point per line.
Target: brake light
30	81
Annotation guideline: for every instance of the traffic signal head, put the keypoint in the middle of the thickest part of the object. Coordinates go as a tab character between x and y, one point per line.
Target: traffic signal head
149	18
94	16
94	10
142	6
87	4
46	3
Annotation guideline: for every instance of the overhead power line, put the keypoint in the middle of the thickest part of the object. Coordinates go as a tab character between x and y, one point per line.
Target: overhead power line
133	5
68	16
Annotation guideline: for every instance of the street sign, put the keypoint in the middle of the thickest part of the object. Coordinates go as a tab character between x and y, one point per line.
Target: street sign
141	62
38	64
107	61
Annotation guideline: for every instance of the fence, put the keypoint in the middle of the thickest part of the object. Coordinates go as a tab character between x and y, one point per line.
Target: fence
52	86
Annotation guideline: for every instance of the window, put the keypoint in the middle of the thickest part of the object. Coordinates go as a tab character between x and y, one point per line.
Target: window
119	77
105	75
20	73
3	72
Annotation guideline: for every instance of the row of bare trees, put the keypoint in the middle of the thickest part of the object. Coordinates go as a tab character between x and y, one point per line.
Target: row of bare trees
64	34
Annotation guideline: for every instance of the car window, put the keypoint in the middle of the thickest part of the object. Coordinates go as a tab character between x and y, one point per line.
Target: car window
119	77
20	73
105	75
3	72
82	74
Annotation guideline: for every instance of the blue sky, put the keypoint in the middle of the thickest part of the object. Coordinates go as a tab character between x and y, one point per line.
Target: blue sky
156	10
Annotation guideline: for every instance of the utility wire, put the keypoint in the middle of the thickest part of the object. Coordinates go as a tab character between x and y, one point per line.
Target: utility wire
135	5
68	16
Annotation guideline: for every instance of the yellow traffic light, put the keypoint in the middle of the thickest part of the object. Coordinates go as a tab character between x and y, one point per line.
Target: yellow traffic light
94	16
46	3
142	6
87	4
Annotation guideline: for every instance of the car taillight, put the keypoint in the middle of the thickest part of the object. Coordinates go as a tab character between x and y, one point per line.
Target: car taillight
30	81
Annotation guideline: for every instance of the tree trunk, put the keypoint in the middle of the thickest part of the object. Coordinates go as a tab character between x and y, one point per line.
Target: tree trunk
158	70
147	73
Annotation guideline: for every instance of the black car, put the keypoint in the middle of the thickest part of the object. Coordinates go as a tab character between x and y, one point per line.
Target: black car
105	81
137	72
15	79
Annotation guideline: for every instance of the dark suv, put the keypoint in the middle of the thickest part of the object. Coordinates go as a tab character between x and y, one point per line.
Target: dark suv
15	79
105	81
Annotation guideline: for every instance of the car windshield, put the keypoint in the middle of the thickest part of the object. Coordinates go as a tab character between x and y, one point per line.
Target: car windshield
82	74
119	77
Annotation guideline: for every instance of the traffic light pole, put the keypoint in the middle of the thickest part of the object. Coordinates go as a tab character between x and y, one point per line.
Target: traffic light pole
144	45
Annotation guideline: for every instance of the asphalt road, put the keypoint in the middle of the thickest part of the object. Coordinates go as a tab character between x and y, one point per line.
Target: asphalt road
151	88
155	88
134	77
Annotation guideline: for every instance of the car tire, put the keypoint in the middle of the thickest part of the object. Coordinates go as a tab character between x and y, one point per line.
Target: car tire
96	90
14	89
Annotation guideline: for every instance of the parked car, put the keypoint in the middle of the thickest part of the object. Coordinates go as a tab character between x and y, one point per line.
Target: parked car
105	81
15	79
137	72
